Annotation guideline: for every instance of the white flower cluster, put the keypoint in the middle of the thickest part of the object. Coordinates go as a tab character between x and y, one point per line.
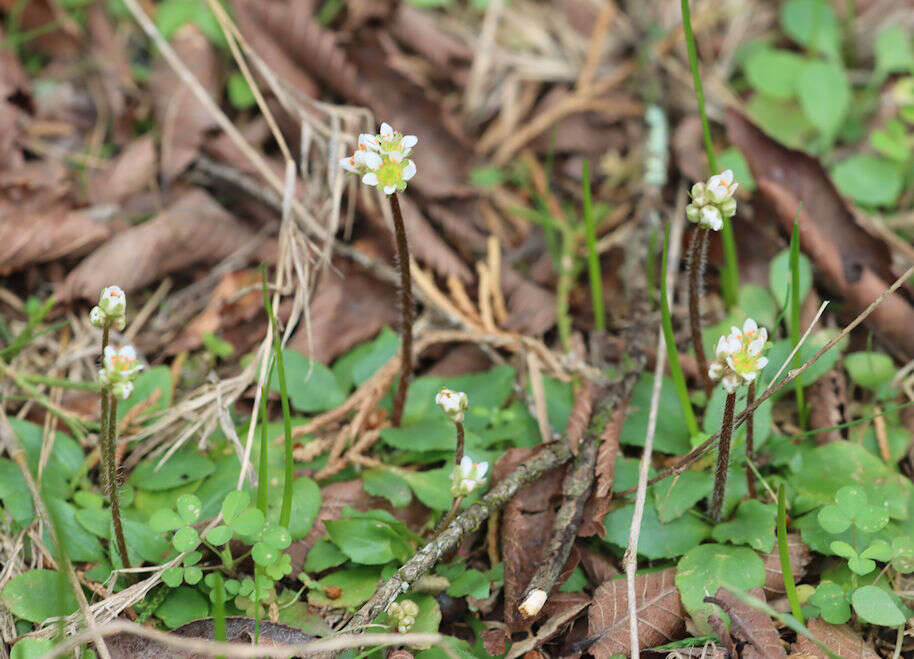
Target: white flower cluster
467	476
120	368
452	403
404	613
381	160
713	201
111	309
739	356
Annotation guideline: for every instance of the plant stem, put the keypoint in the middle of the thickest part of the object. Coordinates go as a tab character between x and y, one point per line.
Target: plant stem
698	247
593	258
219	631
263	478
723	459
784	552
452	513
458	454
63	383
671	351
730	274
750	442
406	311
795	316
111	441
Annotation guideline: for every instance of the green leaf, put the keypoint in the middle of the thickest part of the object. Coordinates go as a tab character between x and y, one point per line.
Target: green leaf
276	537
869	180
249	522
191	558
672	434
185	539
96	522
219	535
263	554
433	487
903	554
182	605
780	350
142	543
779	277
239	92
81	544
784	121
31	648
674	496
368	541
841	548
322	556
357	585
658	540
15	493
37	595
360	363
470	582
833	519
714	416
756	302
559	401
752	525
312	387
832	603
860	565
157	378
62	463
893	50
875	606
706	568
165	519
825	95
171	15
870	370
387	484
892	141
189	508
490	389
774	72
182	468
435	434
193	575
306	502
879	550
234	504
806	21
173	576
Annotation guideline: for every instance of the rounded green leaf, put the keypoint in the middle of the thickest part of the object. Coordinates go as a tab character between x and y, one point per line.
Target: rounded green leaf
869	180
752	525
248	522
311	386
189	508
774	72
219	535
173	576
833	519
31	648
234	504
861	566
192	558
164	520
841	548
263	554
276	537
879	549
231	586
182	468
870	370
37	595
193	575
812	23
706	568
182	605
825	95
185	539
851	500
875	606
832	603
871	519
903	554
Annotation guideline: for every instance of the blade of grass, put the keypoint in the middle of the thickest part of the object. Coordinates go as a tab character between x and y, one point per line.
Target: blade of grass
795	315
593	258
219	631
263	477
784	553
672	353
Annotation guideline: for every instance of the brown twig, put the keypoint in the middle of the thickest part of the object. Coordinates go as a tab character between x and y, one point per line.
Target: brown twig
750	443
406	301
697	257
723	459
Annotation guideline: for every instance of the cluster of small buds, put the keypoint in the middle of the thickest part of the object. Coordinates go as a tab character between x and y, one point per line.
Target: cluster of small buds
381	160
120	368
467	476
713	201
452	403
404	613
111	309
739	356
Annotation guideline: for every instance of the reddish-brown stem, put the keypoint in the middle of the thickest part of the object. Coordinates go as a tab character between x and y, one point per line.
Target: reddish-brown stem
458	454
111	441
750	442
406	311
697	255
723	459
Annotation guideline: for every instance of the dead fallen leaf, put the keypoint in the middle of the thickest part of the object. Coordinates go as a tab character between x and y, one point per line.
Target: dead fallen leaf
840	639
192	229
596	565
755	628
460	360
800	556
130	172
495	641
661	616
827	404
182	119
605	472
531	308
424	35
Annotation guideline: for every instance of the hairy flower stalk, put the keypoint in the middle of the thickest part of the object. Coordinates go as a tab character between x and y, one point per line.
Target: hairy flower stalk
738	361
467	475
381	161
712	202
750	442
119	369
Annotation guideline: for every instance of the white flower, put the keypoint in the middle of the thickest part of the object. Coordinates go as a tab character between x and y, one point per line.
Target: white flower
111	309
713	201
452	403
381	160
119	368
467	476
97	317
721	186
738	356
404	614
711	218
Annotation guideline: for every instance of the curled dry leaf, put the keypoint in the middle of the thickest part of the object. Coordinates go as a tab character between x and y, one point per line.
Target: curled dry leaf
800	556
531	308
182	119
130	172
840	639
605	473
192	229
752	626
854	264
661	616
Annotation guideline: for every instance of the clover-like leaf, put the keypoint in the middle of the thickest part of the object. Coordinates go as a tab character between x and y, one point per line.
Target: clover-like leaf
875	606
248	522
232	586
173	576
871	519
903	554
861	566
843	549
164	520
234	504
280	568
193	575
832	603
833	519
192	558
219	535
851	500
276	537
246	587
263	554
185	539
189	508
879	550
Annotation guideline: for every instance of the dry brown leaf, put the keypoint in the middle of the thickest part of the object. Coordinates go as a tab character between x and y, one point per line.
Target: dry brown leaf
800	556
661	616
133	170
192	229
531	308
181	118
854	264
605	472
596	565
827	404
753	627
460	360
840	639
495	641
427	246
421	32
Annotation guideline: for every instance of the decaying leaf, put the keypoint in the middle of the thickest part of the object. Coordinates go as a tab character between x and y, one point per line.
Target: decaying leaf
192	229
827	405
605	471
840	639
133	170
661	616
531	308
752	626
800	555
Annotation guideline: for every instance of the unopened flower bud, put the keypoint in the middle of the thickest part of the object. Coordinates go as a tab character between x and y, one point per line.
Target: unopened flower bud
452	403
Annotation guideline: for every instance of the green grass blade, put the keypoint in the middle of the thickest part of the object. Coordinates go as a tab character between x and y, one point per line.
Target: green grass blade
219	630
593	258
784	553
795	315
263	476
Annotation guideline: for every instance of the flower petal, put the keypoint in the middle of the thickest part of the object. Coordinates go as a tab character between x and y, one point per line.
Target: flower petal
481	470
370	179
370	159
395	156
409	141
369	141
390	189
386	130
409	171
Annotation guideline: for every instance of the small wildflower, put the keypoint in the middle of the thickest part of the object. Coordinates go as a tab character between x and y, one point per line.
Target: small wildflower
112	308
467	476
381	160
452	403
713	201
404	614
738	356
119	369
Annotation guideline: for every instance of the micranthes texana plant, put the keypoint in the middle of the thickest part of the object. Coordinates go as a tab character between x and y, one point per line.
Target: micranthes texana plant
467	475
381	160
